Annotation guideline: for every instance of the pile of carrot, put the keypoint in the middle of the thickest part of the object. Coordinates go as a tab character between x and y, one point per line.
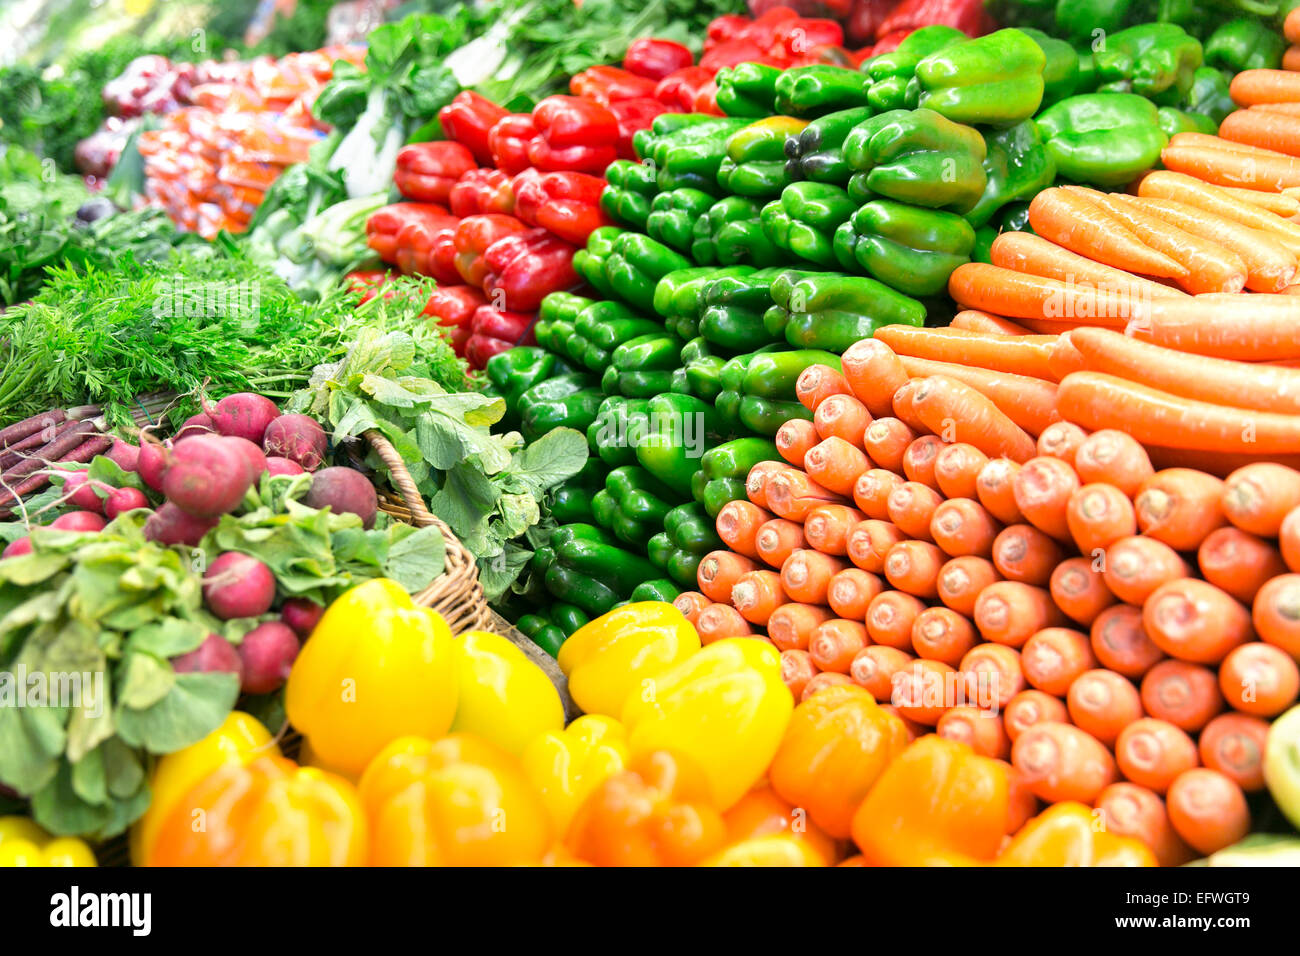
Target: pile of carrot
1000	575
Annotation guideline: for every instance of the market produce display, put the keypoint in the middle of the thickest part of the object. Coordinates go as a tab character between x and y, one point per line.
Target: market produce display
908	398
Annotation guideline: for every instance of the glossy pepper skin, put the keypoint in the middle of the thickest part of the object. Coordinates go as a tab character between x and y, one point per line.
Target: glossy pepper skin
606	84
643	367
1245	43
673	216
820	89
657	812
836	746
688	536
508	141
680	89
573	134
1066	834
969	16
681	428
516	371
269	812
525	268
482	191
565	401
473	237
995	80
910	249
1017	166
503	697
468	119
632	505
493	331
635	264
755	157
565	204
565	766
731	233
542	631
386	224
748	89
601	561
1061	67
734	685
839	310
571	501
441	803
610	658
23	843
426	172
628	193
1075	20
731	307
686	149
1149	60
816	154
936	804
723	470
656	59
453	306
619	427
600	329
1209	95
918	157
633	116
398	660
891	72
1105	139
589	262
803	221
1173	122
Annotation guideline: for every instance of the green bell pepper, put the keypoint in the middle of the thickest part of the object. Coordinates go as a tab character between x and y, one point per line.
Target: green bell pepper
673	216
747	89
643	367
660	589
994	80
616	568
804	219
831	312
633	505
917	157
731	233
911	249
731	310
773	375
1061	68
819	89
516	370
687	537
635	264
1149	60
577	409
1209	95
681	428
755	157
1173	122
1106	139
891	72
589	262
571	500
621	424
666	125
691	156
555	320
542	631
568	617
816	152
1077	21
627	197
1245	43
571	586
735	458
1017	166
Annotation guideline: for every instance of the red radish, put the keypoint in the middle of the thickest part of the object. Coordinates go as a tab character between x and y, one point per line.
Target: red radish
79	521
199	424
122	500
242	415
207	476
237	585
81	491
267	652
301	615
152	461
298	438
276	465
126	455
343	491
169	525
24	546
213	655
252	454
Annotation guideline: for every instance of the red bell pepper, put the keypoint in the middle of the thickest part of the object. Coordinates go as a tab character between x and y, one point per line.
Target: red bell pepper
565	204
729	53
677	90
468	119
608	84
494	330
634	115
366	281
415	242
890	42
656	58
573	135
799	37
728	27
706	100
482	191
762	30
526	268
427	171
474	236
440	261
454	307
864	17
509	141
968	16
384	225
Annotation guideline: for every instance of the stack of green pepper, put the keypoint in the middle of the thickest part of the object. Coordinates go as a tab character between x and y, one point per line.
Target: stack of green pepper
629	192
621	425
803	221
747	89
687	537
1155	60
626	265
816	153
731	311
571	400
686	149
830	311
681	429
731	233
1017	166
917	157
755	160
643	367
513	372
911	249
674	214
633	505
892	73
583	565
571	501
819	89
723	470
758	389
994	80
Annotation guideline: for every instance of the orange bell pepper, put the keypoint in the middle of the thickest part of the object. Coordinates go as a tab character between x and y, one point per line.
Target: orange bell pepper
1066	834
937	804
836	746
655	813
777	849
447	803
761	813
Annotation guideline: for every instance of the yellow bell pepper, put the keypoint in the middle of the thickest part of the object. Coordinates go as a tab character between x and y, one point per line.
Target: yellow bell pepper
240	739
565	766
777	849
726	708
1066	834
503	696
617	653
937	804
837	744
23	843
270	812
458	801
375	668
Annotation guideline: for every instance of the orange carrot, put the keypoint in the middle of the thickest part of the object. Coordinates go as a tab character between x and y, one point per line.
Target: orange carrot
797	669
1261	328
871	492
1214	142
1219	464
757	479
994	486
836	464
1065	358
869	542
993	676
1134	567
792	494
1228	168
885	440
1053	657
1152	753
1276	613
1062	762
1061	440
1238	562
961	526
874	667
1185	189
1079	590
1023	355
821	682
791	625
1256	498
1031	707
890	616
816	383
777	539
719	572
1279	204
691	603
921	691
757	594
1120	641
972	320
913	567
1114	457
1133	811
835	643
1097	401
1103	703
957	468
738	523
1018	295
1009	612
1184	694
874	373
1195	621
962	579
1259	679
827	528
903	408
1291	27
1070	220
1099	514
1263	129
1023	553
1029	402
721	620
794	439
1265	86
1233	744
1028	253
1042	489
956	412
911	506
1207	809
941	634
806	575
850	592
1180	506
1288	540
842	416
981	730
919	459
